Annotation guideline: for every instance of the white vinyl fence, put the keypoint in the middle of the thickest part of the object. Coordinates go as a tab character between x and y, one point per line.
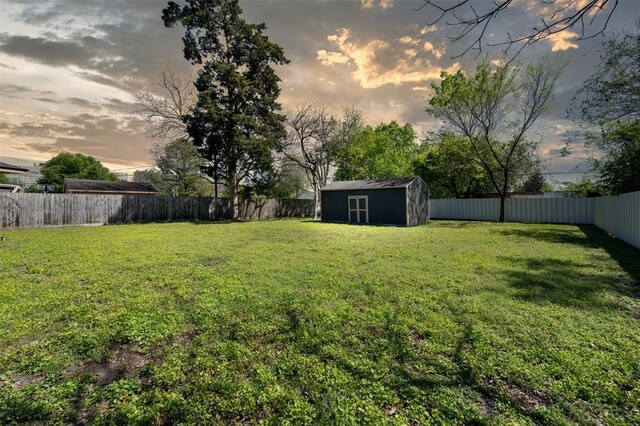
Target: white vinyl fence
619	215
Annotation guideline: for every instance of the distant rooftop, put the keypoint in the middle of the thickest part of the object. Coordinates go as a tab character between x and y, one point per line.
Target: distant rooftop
105	186
346	185
11	169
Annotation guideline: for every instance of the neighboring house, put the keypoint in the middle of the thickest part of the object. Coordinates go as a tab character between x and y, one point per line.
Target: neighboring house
397	201
86	186
305	195
9	169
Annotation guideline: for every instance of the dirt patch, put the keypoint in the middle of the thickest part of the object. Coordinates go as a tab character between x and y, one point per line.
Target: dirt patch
23	380
86	415
123	363
211	262
487	408
392	410
529	399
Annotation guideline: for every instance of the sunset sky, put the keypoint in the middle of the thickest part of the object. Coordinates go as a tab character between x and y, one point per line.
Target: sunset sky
64	65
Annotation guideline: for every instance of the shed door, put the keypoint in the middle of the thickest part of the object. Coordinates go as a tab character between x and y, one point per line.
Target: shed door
358	209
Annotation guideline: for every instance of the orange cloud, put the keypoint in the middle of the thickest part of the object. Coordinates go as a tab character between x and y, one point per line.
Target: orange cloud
370	4
367	61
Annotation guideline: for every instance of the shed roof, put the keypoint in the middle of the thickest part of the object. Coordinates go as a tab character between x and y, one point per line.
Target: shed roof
347	185
11	169
87	185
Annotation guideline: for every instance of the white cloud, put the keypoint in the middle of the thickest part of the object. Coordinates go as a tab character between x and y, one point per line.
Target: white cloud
411	53
331	58
370	4
369	70
437	52
562	41
428	29
409	40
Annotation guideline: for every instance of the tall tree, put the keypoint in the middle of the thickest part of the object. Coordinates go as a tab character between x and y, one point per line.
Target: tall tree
73	166
607	109
448	168
494	110
311	144
235	123
384	152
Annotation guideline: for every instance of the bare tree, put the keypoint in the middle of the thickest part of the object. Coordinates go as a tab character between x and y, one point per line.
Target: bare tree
164	101
312	137
472	20
494	111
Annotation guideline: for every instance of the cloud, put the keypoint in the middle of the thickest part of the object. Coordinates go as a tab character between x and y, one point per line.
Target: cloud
428	29
410	53
409	40
105	137
371	4
15	91
45	51
377	63
562	41
437	52
332	58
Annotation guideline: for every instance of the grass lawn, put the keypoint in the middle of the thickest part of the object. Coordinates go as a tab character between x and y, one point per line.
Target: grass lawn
299	322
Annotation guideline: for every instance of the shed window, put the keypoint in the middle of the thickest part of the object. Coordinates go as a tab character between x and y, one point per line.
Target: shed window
358	209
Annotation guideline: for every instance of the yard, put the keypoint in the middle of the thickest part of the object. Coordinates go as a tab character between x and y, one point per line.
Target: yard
299	322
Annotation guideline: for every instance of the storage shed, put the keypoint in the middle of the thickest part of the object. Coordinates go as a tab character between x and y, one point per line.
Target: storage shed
397	201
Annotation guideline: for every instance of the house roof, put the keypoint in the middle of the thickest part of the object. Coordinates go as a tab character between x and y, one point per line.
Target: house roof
86	185
347	185
11	169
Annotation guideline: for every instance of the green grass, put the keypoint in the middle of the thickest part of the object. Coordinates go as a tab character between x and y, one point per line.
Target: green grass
299	322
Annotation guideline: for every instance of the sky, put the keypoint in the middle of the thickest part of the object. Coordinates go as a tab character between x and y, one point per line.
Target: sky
65	66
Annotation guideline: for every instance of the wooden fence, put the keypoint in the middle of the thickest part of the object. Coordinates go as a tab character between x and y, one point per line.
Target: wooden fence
619	215
34	210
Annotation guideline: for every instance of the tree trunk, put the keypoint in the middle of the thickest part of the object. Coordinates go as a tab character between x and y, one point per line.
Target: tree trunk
504	192
215	178
316	202
233	194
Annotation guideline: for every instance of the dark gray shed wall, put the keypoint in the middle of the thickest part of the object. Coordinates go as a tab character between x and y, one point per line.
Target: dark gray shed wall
418	202
386	206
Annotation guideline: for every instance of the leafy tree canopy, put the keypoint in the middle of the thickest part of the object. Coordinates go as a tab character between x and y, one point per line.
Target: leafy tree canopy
534	182
178	170
73	166
608	111
493	110
619	168
448	169
384	152
3	178
587	188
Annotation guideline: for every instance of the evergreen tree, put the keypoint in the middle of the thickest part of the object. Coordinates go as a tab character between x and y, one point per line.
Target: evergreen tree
235	123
